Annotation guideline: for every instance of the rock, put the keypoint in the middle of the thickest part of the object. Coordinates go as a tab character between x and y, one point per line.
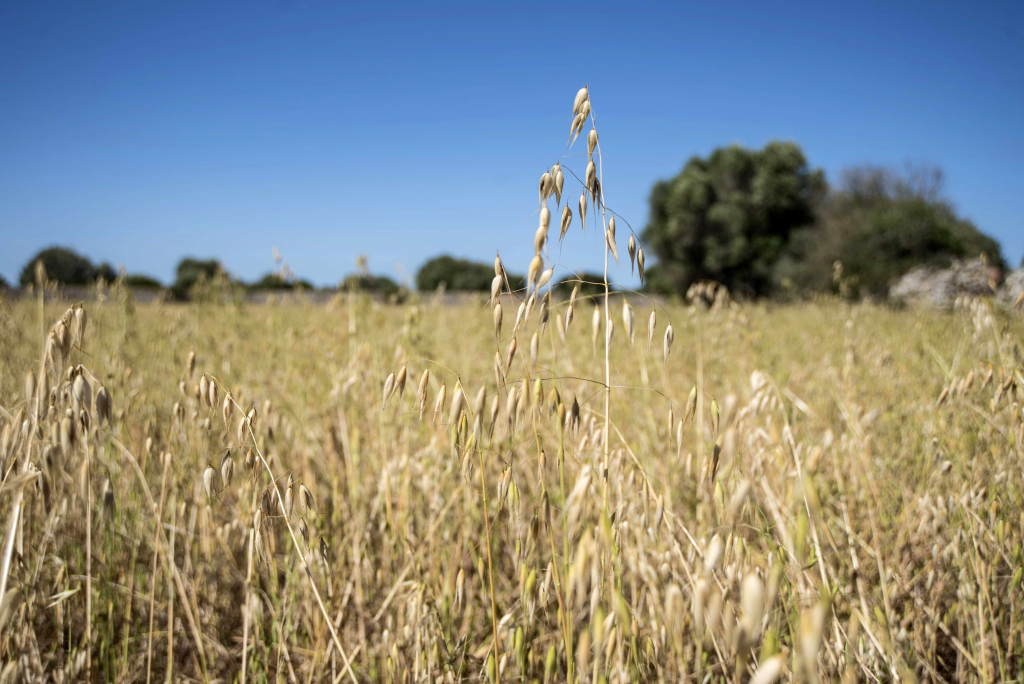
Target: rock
1012	288
938	288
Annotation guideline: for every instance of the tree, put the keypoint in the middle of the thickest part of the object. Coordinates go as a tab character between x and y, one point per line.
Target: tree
274	281
106	272
143	282
190	271
729	217
460	274
365	282
63	266
878	225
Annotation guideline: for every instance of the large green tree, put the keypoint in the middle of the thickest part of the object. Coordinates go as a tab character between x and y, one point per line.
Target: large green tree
879	223
460	274
191	271
729	217
65	266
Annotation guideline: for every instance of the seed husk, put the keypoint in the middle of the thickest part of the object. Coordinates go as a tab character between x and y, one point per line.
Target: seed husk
227	409
421	391
540	239
306	500
495	289
610	239
536	264
389	387
211	481
227	469
545	278
458	398
439	402
400	380
510	355
581	96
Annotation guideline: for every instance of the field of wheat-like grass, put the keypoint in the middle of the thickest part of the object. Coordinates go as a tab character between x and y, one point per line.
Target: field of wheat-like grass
840	498
592	487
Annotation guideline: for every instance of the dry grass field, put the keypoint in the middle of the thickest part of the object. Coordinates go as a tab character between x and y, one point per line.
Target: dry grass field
581	489
842	500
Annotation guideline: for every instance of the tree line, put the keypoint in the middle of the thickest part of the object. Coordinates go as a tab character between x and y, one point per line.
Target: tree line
763	223
759	222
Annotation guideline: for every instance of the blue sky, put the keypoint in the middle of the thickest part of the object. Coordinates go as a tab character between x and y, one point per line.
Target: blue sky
140	132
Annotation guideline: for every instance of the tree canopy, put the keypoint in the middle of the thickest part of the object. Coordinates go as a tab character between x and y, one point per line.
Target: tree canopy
274	281
460	274
67	267
143	282
366	282
191	271
729	217
878	225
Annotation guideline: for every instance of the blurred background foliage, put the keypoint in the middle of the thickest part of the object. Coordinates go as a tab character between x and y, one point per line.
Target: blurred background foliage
762	222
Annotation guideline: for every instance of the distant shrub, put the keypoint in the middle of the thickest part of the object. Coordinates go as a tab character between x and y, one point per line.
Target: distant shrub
191	271
455	274
106	272
274	281
64	266
461	275
879	225
143	282
364	282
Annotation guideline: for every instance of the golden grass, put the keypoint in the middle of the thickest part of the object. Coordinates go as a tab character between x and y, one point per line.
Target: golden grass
882	527
836	493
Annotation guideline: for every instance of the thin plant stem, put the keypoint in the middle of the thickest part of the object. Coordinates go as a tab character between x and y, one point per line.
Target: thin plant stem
490	565
153	571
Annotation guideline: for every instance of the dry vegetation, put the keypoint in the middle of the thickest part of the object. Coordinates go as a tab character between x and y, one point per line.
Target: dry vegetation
219	491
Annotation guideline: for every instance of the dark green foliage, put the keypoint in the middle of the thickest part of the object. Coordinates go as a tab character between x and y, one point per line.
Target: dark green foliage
657	282
143	282
460	274
364	282
729	217
274	281
879	225
106	272
3	283
190	271
64	266
456	274
592	285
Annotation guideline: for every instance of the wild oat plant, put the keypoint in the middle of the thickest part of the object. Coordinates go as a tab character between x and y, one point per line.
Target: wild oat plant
224	492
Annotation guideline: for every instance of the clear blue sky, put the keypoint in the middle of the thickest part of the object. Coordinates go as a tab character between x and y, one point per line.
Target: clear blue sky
140	132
